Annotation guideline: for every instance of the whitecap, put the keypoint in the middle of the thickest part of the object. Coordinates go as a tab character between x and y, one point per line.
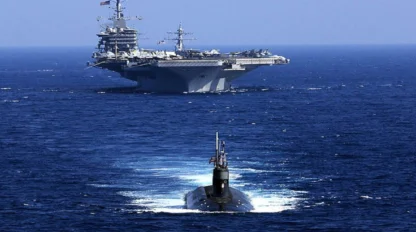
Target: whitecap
50	90
198	179
266	202
11	101
253	170
100	185
386	85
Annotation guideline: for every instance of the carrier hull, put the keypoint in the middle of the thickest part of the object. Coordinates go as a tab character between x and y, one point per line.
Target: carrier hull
191	76
183	79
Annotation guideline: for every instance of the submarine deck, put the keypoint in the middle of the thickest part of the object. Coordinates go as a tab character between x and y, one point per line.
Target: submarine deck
202	199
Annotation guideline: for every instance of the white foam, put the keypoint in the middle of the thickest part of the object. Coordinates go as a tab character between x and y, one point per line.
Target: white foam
12	101
170	210
159	169
263	201
183	211
267	202
251	162
169	197
100	185
198	179
253	170
158	202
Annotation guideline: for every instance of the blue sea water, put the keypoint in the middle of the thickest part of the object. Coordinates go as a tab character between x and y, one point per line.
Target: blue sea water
325	143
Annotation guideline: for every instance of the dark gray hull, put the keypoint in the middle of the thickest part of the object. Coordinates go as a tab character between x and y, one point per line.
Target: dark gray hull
186	75
201	199
183	79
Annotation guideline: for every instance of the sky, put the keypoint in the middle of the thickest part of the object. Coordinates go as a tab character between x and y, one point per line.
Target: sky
215	22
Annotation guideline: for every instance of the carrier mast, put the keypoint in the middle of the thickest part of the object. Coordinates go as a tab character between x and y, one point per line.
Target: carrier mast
119	10
180	38
119	19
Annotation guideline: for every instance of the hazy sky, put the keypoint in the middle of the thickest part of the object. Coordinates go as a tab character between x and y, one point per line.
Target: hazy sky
215	22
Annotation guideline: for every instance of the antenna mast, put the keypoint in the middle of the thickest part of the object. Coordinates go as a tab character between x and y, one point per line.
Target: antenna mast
220	158
179	40
118	10
180	33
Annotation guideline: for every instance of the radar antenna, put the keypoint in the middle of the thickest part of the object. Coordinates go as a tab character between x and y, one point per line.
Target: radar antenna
118	18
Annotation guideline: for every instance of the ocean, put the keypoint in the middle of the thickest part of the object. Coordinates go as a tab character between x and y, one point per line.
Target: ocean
326	143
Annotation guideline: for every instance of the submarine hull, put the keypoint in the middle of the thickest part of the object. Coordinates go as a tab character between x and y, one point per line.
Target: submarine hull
203	199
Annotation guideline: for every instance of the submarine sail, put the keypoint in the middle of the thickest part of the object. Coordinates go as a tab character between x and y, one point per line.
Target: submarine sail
219	196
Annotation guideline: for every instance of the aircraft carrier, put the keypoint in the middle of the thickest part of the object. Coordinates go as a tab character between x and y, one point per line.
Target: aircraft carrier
178	71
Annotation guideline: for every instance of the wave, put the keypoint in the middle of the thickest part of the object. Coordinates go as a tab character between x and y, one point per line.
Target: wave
160	197
11	101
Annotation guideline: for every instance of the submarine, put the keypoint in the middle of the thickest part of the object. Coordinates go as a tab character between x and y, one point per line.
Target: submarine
219	196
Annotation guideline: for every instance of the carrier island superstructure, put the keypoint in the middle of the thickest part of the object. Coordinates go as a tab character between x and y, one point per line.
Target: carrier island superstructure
178	71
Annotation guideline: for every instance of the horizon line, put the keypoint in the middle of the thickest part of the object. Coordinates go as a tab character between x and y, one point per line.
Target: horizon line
222	45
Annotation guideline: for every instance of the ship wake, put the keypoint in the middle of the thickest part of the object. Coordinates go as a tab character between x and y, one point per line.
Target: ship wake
170	199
